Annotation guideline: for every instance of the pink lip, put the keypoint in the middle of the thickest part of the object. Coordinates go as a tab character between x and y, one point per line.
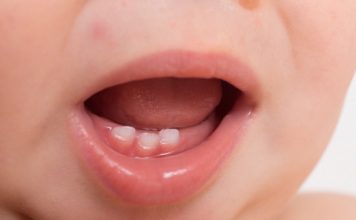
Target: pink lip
154	181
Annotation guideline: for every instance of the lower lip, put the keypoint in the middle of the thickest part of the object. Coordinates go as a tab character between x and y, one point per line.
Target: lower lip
160	180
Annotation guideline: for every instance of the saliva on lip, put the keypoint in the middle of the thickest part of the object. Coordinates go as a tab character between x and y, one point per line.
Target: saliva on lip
145	143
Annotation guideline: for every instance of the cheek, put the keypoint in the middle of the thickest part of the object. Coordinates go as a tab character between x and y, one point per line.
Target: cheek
301	107
323	39
30	39
30	45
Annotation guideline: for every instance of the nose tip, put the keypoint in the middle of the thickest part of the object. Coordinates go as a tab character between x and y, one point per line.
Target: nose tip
249	4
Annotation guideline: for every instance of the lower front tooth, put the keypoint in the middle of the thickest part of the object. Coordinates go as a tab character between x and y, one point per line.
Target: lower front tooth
124	134
169	137
148	141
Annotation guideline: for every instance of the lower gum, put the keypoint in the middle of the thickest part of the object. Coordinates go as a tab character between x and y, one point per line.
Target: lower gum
189	138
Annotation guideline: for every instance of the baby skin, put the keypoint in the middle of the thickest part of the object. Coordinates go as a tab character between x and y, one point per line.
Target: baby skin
167	109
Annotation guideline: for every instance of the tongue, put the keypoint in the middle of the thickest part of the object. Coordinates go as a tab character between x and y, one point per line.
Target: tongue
158	103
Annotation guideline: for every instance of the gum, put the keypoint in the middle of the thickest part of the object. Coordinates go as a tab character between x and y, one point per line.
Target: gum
188	138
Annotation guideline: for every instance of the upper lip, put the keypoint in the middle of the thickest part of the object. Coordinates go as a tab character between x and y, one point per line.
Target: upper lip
183	64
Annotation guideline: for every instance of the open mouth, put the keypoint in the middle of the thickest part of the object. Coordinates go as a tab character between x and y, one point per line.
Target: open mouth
159	128
160	116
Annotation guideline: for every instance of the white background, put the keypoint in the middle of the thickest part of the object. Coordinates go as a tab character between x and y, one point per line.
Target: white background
337	169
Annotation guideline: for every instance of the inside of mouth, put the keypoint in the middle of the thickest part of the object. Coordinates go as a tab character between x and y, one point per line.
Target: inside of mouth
157	112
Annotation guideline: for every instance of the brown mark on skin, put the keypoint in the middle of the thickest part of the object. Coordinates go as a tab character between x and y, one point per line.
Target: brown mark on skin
249	4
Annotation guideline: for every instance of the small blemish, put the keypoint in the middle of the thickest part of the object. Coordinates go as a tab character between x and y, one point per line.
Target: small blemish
250	4
99	31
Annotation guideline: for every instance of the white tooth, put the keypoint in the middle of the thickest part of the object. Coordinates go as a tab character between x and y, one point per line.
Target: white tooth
124	133
169	137
148	141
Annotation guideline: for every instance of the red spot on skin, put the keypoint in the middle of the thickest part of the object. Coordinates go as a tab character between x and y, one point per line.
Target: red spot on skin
123	3
99	31
173	24
249	4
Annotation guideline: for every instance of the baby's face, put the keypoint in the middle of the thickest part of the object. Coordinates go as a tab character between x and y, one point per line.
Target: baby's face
61	159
